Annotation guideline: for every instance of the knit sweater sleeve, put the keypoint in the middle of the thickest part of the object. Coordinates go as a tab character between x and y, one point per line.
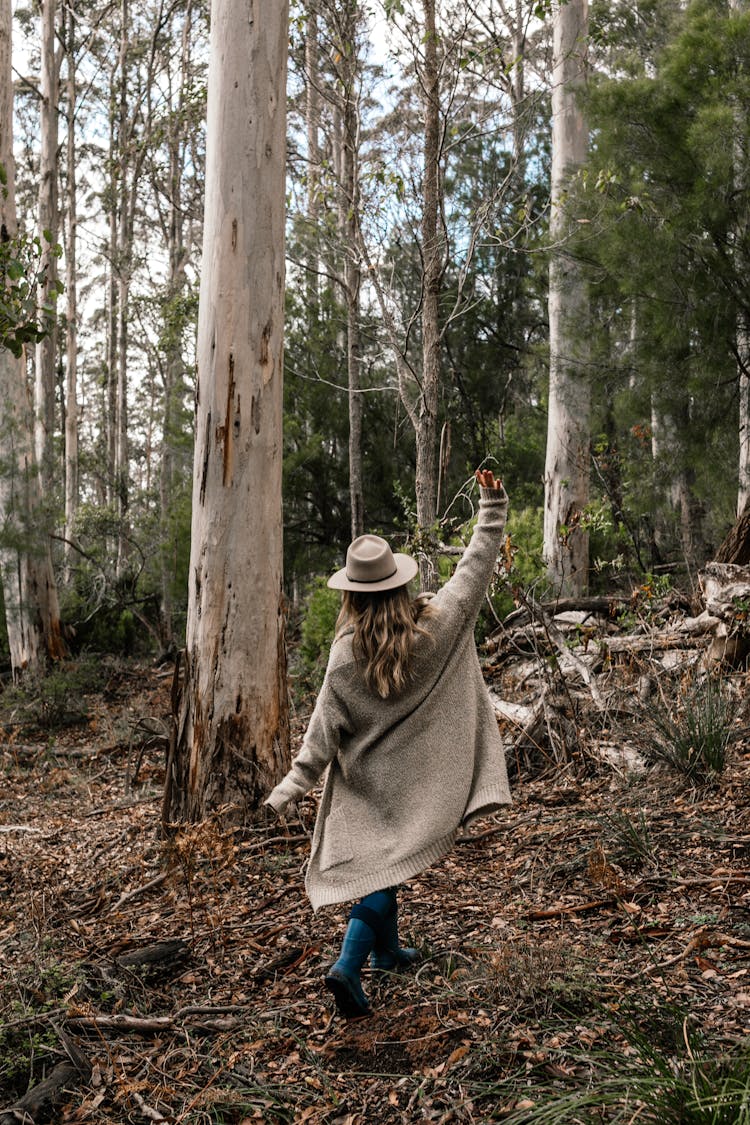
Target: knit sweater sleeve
319	746
473	573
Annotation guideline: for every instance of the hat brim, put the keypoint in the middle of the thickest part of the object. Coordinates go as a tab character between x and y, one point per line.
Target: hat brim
406	568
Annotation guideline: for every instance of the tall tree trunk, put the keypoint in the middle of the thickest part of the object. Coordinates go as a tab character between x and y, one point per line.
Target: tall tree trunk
312	123
232	740
743	490
124	242
174	364
112	317
30	596
71	292
46	349
433	254
737	7
566	474
350	117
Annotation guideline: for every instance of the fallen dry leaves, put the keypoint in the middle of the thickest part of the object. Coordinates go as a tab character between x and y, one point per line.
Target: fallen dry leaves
542	937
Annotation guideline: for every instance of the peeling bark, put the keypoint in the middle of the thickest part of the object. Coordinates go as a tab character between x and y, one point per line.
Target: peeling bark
566	473
231	741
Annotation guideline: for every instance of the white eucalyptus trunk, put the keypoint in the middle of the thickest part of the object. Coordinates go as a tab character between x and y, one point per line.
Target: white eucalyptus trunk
312	123
124	257
232	742
566	474
29	592
46	349
350	66
71	295
433	255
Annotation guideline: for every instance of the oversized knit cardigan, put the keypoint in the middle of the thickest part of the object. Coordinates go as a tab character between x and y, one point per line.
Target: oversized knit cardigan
405	773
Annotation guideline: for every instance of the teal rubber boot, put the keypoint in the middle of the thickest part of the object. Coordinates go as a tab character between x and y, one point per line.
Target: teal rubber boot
388	956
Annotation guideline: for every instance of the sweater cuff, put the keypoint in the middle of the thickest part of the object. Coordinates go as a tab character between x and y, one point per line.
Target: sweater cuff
494	495
278	799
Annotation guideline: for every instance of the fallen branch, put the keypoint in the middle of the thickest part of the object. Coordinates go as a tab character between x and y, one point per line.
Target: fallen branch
131	895
702	940
583	908
121	1022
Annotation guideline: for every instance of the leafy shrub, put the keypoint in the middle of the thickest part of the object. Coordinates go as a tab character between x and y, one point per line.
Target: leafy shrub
54	699
321	609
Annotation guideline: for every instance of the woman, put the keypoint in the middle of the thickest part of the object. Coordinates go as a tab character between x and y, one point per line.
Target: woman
408	733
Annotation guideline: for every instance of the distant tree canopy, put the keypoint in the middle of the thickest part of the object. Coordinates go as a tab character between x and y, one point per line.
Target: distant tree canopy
658	226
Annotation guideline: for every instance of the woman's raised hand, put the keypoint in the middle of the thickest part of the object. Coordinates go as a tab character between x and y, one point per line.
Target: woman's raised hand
487	479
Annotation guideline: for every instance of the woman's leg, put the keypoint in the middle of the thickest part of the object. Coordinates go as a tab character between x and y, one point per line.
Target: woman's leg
367	929
387	954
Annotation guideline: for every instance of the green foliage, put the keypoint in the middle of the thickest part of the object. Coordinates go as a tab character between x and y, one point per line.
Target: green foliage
22	319
662	241
692	737
321	608
55	699
525	529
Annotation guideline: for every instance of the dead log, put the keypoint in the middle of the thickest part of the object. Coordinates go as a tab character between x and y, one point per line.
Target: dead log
592	606
46	1093
651	642
726	587
158	956
736	545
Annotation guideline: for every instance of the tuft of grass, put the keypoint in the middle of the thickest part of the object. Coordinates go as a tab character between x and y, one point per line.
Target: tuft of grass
629	834
693	737
647	1082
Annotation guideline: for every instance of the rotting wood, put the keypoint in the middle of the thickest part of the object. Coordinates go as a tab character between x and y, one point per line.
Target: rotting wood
158	954
46	1093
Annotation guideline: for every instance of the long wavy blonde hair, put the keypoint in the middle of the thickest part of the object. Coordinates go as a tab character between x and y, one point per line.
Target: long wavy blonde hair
386	625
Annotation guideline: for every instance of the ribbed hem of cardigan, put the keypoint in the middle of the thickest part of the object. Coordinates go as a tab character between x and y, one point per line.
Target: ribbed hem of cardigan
487	800
384	877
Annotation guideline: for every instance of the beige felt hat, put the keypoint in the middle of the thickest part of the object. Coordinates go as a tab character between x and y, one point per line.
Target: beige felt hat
371	565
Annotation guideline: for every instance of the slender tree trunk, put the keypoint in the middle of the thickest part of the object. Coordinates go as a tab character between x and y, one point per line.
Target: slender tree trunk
566	475
173	368
312	122
433	254
350	116
112	298
232	739
46	349
743	491
124	241
71	293
30	596
737	7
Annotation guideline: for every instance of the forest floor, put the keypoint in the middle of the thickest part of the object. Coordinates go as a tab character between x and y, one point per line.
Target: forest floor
586	952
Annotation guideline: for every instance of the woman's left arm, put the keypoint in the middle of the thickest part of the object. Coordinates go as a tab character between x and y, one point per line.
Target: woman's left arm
472	575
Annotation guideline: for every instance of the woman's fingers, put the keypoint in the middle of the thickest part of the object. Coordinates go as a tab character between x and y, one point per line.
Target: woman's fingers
486	479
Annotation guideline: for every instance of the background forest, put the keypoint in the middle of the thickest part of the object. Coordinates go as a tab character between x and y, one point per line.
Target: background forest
516	235
110	146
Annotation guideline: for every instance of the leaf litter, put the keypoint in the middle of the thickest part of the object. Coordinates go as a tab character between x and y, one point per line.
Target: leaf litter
180	981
